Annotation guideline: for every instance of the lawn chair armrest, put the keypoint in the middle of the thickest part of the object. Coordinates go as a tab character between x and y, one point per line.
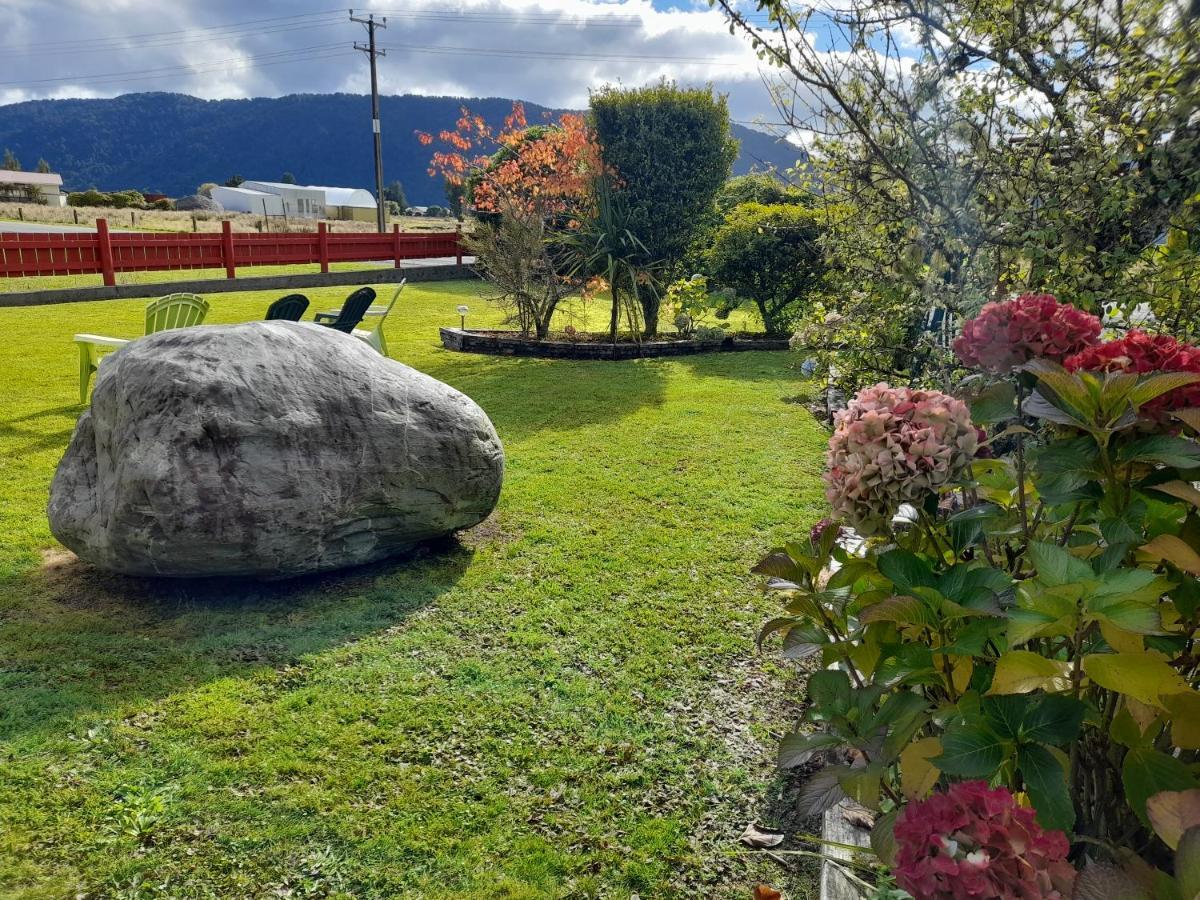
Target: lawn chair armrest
100	339
320	317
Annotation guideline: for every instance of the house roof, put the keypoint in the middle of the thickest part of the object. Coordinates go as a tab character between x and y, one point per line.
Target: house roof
279	185
45	179
339	196
240	190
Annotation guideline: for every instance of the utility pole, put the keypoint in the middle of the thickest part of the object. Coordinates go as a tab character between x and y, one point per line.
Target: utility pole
369	21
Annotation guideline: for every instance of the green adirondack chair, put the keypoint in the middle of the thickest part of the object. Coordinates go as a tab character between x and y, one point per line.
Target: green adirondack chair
374	336
171	311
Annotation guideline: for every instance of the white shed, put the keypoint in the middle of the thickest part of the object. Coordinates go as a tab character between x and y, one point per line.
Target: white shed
32	187
237	199
299	201
349	203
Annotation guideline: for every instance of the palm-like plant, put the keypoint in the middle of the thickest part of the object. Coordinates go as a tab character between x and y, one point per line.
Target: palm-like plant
604	245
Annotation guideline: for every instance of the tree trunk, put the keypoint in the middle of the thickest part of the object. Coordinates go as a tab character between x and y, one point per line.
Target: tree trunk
650	306
768	319
615	318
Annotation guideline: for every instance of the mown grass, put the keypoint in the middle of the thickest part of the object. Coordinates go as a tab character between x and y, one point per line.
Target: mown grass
561	702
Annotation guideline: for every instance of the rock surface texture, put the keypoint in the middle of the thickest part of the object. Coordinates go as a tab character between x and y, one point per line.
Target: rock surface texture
268	449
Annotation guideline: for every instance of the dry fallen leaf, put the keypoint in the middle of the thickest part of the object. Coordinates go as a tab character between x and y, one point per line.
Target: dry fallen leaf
753	837
766	892
859	817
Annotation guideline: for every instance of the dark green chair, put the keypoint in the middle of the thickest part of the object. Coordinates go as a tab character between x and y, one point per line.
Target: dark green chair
289	308
351	313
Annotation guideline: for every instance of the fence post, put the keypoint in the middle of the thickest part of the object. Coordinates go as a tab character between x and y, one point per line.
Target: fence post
458	245
323	246
104	249
227	248
396	242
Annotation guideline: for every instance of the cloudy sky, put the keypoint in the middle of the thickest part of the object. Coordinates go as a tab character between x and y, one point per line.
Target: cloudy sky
545	51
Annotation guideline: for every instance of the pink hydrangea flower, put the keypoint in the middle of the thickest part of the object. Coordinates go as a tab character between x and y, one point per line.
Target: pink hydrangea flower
1033	326
892	446
1140	352
972	842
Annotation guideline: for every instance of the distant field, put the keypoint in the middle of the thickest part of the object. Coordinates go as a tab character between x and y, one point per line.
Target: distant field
169	220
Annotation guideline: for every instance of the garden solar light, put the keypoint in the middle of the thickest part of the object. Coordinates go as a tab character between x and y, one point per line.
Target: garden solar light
463	309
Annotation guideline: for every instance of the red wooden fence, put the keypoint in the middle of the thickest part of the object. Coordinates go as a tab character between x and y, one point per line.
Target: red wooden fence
105	252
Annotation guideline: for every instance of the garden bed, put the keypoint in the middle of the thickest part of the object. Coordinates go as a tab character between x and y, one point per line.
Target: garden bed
509	343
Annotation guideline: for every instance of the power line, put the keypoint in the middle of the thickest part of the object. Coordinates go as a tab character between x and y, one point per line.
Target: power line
118	44
193	30
552	54
167	71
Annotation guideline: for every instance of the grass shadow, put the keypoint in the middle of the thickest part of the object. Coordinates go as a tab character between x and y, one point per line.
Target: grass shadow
526	396
75	639
747	365
31	427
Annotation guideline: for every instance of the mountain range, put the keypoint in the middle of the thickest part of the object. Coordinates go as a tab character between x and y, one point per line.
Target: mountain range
171	143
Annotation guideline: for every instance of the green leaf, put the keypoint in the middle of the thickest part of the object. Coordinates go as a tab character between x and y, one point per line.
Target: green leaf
1047	783
1160	383
802	641
797	749
1055	720
1145	772
1187	863
1006	713
863	784
1056	566
1162	448
906	570
883	838
902	610
1022	671
1043	404
970	751
1145	677
829	691
995	403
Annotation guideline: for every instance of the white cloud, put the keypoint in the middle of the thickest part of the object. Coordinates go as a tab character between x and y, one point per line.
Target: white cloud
546	51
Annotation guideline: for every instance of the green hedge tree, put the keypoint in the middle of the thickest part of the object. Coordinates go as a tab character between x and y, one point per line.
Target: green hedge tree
769	255
757	187
671	150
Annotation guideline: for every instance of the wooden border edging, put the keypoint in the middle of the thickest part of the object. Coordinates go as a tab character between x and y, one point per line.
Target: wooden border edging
835	828
224	285
498	343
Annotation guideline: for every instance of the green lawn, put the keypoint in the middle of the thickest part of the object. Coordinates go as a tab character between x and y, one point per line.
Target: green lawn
562	702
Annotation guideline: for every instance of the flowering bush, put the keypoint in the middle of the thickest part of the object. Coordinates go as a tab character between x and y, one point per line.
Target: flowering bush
1141	353
1033	326
1035	626
892	446
974	842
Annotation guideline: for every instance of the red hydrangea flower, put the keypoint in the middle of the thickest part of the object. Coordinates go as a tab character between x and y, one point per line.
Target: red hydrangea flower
1140	352
972	842
818	531
1033	326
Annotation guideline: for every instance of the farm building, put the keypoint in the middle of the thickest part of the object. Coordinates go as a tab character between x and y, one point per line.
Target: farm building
32	187
348	203
237	199
299	201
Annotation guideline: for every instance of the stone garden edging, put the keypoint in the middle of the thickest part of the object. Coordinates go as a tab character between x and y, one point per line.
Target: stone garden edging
504	343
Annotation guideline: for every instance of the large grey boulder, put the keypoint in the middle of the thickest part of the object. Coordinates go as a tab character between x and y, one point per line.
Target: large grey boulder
267	449
198	203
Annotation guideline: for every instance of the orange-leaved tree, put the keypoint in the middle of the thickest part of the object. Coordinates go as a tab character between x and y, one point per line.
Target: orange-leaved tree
548	169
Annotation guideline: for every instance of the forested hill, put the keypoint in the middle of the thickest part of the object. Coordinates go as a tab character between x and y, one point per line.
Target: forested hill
170	143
